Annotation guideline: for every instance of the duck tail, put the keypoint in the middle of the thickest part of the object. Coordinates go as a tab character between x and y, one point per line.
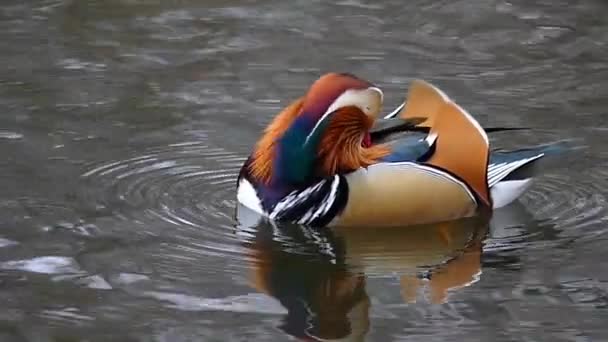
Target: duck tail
510	172
461	147
531	159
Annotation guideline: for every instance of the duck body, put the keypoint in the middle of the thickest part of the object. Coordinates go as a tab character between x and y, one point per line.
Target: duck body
440	169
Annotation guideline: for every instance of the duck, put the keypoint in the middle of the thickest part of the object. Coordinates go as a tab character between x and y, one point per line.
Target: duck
328	159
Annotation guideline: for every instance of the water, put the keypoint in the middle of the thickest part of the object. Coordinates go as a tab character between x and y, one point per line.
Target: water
123	125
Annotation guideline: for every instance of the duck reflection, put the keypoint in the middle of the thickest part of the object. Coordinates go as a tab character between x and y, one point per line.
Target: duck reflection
305	270
319	276
439	257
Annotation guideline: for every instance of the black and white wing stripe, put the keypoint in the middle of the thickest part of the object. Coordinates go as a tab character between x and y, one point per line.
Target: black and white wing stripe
498	171
315	205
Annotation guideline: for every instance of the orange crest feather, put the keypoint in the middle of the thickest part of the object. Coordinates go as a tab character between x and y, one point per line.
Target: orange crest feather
340	149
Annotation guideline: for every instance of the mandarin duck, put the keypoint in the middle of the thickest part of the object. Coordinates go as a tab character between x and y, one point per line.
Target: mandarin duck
319	162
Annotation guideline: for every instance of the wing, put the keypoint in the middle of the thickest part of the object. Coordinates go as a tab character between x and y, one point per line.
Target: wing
385	128
456	143
462	148
504	164
414	147
423	101
418	113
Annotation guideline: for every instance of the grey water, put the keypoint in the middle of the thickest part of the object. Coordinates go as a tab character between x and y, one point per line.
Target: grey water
123	124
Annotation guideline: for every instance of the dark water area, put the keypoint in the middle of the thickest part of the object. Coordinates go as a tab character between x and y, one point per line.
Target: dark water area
123	124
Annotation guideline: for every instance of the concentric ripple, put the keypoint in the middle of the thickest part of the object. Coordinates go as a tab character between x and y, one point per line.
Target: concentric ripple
573	207
559	209
184	191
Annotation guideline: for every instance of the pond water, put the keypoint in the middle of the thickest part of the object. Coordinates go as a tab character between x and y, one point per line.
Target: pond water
123	124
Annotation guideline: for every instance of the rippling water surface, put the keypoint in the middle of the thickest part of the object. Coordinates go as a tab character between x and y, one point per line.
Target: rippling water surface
123	125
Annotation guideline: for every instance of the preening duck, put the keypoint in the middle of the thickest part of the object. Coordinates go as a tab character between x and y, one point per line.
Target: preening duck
325	160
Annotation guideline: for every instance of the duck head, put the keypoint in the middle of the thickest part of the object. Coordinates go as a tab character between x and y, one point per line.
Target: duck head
323	133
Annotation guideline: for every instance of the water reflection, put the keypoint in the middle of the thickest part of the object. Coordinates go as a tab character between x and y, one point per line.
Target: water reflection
323	296
319	276
124	124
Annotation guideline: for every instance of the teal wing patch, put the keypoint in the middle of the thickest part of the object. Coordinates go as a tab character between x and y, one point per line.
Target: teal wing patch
413	147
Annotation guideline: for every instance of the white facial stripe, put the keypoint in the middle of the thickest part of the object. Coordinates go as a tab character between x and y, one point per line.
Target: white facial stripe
376	89
364	99
316	126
